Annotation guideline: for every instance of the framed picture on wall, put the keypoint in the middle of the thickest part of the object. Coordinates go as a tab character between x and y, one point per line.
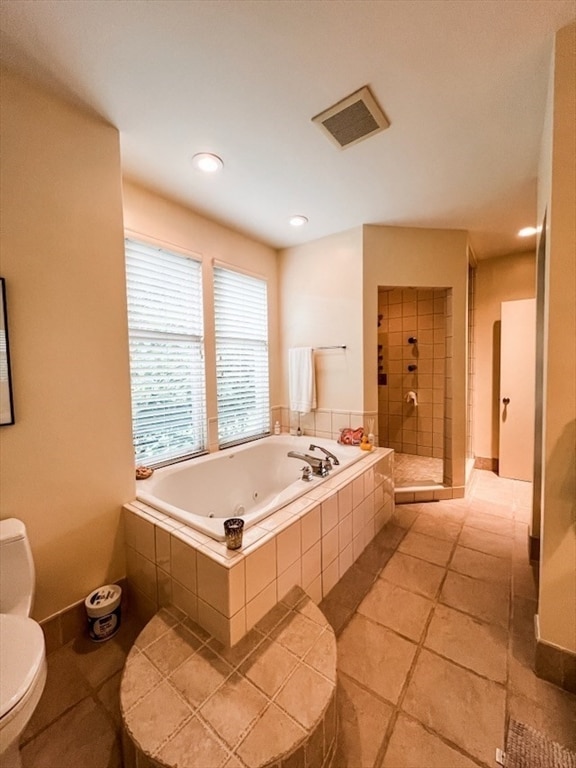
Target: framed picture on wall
6	401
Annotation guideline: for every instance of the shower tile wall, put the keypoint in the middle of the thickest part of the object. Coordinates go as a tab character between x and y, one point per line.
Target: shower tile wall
406	312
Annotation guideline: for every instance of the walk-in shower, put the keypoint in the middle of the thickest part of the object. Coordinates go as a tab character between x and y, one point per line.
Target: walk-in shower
414	381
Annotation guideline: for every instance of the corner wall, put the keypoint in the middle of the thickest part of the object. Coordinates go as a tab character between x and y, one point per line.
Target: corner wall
426	258
67	463
557	198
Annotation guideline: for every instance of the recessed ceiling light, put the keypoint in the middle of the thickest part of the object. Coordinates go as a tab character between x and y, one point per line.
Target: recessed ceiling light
298	221
207	163
529	231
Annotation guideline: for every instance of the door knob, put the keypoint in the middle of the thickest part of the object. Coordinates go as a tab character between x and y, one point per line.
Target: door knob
505	400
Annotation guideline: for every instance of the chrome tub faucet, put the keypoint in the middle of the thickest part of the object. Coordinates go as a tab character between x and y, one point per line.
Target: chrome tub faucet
320	467
335	460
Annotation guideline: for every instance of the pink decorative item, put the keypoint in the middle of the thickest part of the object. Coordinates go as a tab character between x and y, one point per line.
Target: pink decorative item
351	436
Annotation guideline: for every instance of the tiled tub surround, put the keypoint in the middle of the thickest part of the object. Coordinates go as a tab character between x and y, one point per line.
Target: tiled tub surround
311	543
187	700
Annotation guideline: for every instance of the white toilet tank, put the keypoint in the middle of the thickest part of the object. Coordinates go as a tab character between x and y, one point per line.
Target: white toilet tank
17	575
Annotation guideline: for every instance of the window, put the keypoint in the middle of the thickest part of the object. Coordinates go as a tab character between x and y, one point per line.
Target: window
241	327
165	321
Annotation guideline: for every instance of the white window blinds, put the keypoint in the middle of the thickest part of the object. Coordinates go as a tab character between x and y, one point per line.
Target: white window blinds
165	323
241	327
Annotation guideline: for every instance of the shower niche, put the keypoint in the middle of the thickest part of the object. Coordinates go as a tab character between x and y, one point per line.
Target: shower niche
414	382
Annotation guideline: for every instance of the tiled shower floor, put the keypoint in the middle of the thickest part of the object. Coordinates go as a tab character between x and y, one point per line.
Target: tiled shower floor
410	470
435	628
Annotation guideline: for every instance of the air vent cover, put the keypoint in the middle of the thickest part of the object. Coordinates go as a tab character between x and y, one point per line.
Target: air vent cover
353	119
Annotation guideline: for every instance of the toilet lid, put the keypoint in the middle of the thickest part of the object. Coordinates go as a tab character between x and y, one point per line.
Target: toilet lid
22	652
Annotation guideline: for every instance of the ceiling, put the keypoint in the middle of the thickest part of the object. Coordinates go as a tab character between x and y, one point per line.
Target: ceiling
462	82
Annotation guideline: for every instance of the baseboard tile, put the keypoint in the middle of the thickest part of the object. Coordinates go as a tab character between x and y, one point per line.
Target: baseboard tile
554	664
489	464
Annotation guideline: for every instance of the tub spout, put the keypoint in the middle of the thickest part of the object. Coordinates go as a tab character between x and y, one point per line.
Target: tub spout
318	465
335	459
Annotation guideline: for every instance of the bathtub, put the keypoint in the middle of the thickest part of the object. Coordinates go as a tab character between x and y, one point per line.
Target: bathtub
250	481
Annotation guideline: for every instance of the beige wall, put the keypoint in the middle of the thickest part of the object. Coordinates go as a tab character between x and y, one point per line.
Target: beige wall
164	222
557	196
321	304
426	258
66	464
506	278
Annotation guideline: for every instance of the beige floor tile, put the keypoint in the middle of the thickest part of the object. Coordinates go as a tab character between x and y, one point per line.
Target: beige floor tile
353	586
479	565
269	666
297	633
194	739
428	548
524	580
337	614
83	736
485	541
375	657
157	715
412	746
236	654
469	642
414	574
109	695
483	599
363	719
173	649
491	523
454	511
464	708
304	696
523	640
200	676
556	724
65	686
394	607
488	507
155	629
98	661
522	681
323	655
391	535
273	734
436	525
138	679
377	553
404	515
233	709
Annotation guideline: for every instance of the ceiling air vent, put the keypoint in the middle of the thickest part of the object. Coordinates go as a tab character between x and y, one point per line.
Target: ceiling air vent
353	119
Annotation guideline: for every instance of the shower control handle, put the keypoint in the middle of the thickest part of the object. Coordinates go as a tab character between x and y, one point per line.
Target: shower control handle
505	400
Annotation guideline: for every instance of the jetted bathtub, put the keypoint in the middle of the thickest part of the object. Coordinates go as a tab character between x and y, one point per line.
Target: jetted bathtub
250	481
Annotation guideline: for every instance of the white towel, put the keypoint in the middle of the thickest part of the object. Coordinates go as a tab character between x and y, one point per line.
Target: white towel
301	379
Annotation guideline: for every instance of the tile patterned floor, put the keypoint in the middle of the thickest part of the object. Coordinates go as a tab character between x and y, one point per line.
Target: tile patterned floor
436	642
436	638
410	470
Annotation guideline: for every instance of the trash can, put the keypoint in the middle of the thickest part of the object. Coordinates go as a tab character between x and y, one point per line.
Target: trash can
103	609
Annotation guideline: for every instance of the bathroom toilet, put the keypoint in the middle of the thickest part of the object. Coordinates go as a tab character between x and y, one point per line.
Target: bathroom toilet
22	647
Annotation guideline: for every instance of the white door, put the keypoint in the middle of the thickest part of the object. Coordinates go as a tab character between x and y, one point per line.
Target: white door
517	372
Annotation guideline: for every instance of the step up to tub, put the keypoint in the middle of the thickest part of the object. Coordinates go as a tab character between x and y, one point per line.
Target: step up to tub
269	701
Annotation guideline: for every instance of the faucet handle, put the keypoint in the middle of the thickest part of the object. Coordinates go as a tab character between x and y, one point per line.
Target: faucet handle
307	473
